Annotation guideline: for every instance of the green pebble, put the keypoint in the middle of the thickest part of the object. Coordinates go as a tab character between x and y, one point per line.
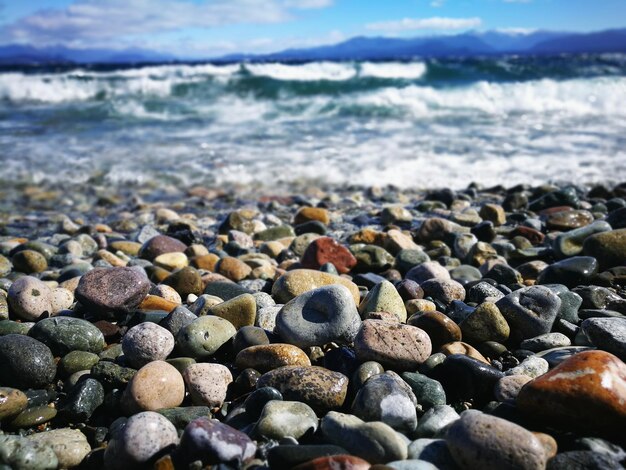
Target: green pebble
35	416
65	334
76	361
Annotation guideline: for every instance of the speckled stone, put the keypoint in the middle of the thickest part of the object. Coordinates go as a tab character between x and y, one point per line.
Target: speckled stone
318	317
508	387
20	454
207	383
156	385
586	391
29	262
25	362
112	289
299	281
608	334
29	298
145	343
280	419
240	310
69	445
160	244
478	440
320	388
532	366
435	421
65	334
81	401
266	357
397	346
142	437
384	298
202	337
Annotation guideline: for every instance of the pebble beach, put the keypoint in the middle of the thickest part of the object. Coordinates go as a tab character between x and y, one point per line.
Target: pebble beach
322	327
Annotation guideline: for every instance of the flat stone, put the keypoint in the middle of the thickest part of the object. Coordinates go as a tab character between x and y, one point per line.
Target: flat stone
328	250
299	281
145	343
34	416
271	356
112	289
207	383
69	445
439	327
65	334
156	385
384	298
159	245
545	341
202	337
571	272
318	317
571	243
397	346
586	391
568	220
25	362
320	388
478	440
12	402
240	310
29	298
608	334
375	442
281	419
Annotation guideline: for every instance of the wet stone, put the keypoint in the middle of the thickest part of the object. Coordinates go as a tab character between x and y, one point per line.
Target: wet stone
65	334
25	362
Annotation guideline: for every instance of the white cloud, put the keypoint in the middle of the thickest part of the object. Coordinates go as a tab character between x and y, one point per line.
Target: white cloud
437	3
89	22
413	24
516	31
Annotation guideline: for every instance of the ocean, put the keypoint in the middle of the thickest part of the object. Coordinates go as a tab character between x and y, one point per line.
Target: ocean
426	123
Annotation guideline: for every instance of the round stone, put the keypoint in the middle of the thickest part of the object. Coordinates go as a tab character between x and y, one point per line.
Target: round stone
29	262
171	261
66	334
29	298
145	343
185	281
207	383
25	362
266	357
156	385
233	268
202	337
160	244
280	419
440	328
112	289
12	402
70	445
609	248
426	271
298	281
240	310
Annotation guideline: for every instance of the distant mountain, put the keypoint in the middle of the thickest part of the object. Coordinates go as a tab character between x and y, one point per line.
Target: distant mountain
604	41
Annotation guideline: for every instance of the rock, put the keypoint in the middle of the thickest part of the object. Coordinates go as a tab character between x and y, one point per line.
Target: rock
508	387
334	461
440	329
141	438
570	272
281	419
25	362
171	261
545	341
69	445
608	334
532	366
240	310
33	416
207	383
176	319
112	375
443	290
318	317
436	420
112	289
145	343
571	243
396	241
530	311
308	214
202	337
384	298
12	402
428	392
397	346
289	455
372	258
485	323
434	451
328	250
298	281
250	336
76	361
426	271
65	334
211	442
156	385
609	248
29	298
375	442
271	356
20	454
482	292
82	400
257	400
29	262
182	416
185	281
586	391
583	460
159	245
478	440
408	258
493	213
459	347
387	398
318	387
436	228
233	268
61	299
275	233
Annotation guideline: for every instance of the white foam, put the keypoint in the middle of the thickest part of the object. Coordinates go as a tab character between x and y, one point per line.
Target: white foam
391	70
330	71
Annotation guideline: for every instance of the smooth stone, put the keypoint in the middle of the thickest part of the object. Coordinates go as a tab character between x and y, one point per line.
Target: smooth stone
318	317
364	372
17	453
457	311
570	302
459	347
426	271
12	402
207	383
182	416
156	385
328	250
8	327
463	244
275	233
202	337
280	419
320	388
298	281
34	416
266	317
141	438
586	391
532	366
112	375
609	248
397	346
290	455
483	291
82	400
159	245
583	460
508	387
29	262
375	442
485	323
571	243
176	319
65	334
557	355
406	259
387	398
200	306
145	343
478	440
271	356
69	445
29	298
440	329
545	341
240	310
465	274
445	291
571	272
436	420
436	228
171	261
185	281
25	362
211	442
568	220
299	244
257	400
608	334
530	311
249	336
384	298
308	214
560	197
112	289
428	392
233	268
434	451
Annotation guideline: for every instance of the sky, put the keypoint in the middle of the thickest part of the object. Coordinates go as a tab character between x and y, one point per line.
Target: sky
209	28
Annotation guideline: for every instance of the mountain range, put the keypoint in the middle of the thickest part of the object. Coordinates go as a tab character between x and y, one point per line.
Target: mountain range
357	48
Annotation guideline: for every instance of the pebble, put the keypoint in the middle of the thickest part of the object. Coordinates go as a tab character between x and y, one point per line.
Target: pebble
156	385
545	341
571	243
207	383
434	451
20	454
145	343
66	334
202	337
318	317
29	262
435	421
112	289
308	214
397	346
25	362
384	298
428	392
324	250
296	282
29	298
33	417
12	402
266	357
69	445
478	440
508	387
233	268
240	311
571	272
608	248
440	328
81	401
185	281
485	323
608	334
159	245
280	419
532	366
426	271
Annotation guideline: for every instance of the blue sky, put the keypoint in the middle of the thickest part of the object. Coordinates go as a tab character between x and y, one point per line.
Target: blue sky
201	28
